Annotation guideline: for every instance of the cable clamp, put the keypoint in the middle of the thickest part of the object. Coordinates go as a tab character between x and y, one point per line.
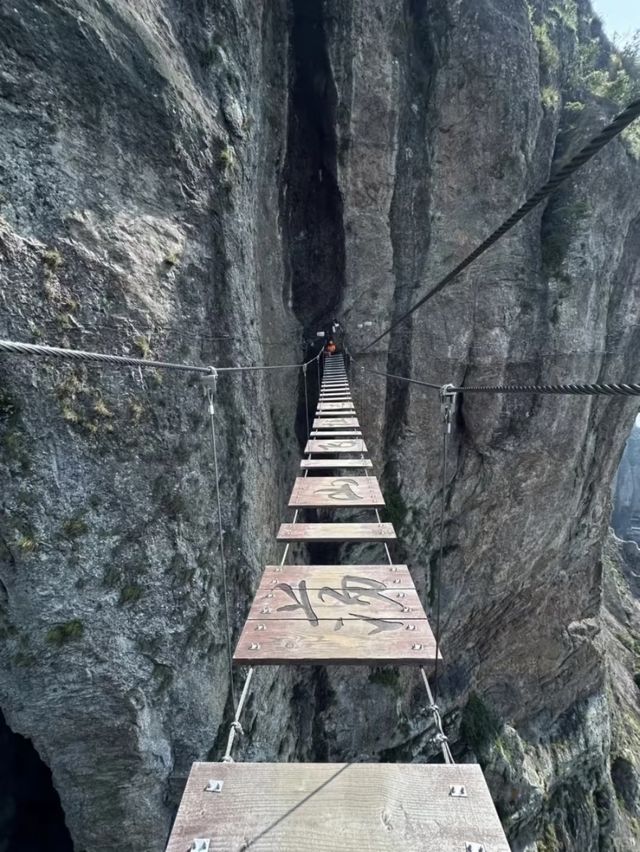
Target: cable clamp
227	759
210	381
434	708
441	738
237	727
448	399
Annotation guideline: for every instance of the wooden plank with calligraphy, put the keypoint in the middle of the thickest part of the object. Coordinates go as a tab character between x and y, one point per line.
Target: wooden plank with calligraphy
336	423
336	532
351	594
334	464
321	807
336	445
314	492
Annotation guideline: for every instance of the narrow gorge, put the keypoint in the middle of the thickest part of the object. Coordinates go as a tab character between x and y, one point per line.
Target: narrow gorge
211	182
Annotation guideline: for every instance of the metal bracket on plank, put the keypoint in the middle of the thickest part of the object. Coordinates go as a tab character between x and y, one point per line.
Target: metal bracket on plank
214	786
458	791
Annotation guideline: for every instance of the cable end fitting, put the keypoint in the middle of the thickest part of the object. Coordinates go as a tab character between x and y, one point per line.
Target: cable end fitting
448	400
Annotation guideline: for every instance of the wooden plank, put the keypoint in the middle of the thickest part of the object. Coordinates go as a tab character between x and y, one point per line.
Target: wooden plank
322	807
334	445
334	406
359	641
314	492
351	594
348	433
334	464
317	576
336	423
336	532
351	413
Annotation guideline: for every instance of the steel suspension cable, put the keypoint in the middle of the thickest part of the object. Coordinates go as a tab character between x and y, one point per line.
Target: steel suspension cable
210	397
12	347
605	136
306	400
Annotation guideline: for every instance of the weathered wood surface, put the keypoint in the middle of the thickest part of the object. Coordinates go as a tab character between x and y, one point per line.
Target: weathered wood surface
336	445
335	397
324	807
336	423
334	406
336	532
334	386
317	576
305	592
334	464
334	491
348	433
396	641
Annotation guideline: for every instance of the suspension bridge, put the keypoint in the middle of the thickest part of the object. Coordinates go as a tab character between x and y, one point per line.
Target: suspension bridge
337	614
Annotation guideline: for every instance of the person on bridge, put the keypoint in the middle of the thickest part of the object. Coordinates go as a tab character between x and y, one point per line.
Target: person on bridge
330	348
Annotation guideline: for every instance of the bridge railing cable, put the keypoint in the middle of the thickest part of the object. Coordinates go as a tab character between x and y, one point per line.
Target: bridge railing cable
12	347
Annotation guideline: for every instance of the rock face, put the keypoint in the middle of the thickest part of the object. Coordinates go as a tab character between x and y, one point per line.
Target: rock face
206	182
625	518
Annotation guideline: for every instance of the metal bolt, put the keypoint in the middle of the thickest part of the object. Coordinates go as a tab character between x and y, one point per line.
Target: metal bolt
411	627
401	595
417	647
214	786
254	646
200	844
261	627
266	609
458	791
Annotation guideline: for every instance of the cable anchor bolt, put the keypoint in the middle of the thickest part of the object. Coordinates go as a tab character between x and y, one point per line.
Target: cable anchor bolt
448	400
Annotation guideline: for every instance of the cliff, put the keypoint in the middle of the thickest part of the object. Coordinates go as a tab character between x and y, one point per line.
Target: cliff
206	182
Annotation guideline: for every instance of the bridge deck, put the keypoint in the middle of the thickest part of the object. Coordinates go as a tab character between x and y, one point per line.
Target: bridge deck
378	807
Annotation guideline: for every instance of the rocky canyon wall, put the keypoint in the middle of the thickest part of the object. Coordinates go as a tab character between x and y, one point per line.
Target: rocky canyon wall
206	182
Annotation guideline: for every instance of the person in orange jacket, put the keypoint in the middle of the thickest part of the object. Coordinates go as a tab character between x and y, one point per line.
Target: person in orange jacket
330	348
